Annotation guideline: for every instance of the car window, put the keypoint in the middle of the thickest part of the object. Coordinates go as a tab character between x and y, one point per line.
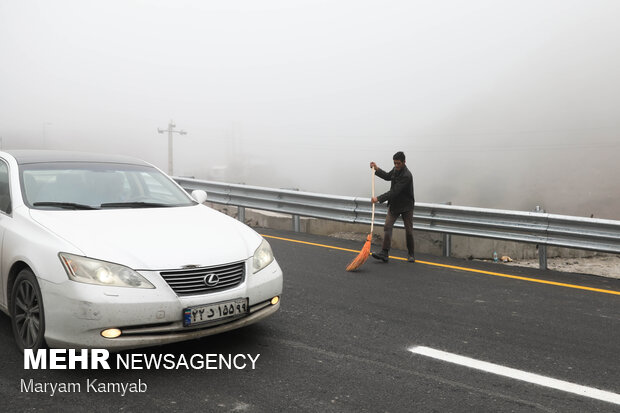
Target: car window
155	186
98	185
5	194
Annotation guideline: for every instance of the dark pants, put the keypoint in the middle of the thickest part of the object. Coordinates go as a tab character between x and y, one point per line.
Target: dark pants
389	225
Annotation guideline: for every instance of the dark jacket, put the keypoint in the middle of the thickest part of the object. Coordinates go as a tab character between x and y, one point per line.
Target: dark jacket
400	196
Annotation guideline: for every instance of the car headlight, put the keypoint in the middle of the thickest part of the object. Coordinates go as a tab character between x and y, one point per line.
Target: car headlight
263	256
91	271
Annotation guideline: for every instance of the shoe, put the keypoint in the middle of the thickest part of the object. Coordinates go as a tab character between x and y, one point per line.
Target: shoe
410	258
381	256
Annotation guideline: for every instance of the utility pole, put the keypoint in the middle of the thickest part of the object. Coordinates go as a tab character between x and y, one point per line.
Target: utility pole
170	131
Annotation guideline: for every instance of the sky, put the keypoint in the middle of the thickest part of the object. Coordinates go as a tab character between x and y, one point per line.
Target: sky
497	104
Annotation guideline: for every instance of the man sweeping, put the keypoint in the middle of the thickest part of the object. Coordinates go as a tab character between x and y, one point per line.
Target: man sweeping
400	203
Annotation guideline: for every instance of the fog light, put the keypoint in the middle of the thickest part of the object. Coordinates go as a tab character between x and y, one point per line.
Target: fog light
275	300
111	333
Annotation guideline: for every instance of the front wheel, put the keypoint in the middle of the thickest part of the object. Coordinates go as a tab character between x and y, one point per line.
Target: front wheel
27	312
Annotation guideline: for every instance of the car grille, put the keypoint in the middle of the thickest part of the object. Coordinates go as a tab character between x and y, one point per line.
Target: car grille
192	281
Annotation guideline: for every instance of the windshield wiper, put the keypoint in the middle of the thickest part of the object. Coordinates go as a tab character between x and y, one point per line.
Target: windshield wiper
134	205
64	205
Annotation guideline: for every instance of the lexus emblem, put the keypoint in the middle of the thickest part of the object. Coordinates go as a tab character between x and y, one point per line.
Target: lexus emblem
211	280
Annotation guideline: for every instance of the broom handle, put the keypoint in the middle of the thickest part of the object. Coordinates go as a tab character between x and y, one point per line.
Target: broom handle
372	219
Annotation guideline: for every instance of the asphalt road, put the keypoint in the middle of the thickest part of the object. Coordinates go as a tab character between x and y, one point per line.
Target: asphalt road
341	343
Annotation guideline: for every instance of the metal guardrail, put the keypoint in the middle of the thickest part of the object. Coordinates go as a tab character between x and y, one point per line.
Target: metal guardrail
530	227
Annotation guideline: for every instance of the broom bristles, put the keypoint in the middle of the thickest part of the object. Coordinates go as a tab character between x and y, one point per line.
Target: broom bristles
362	256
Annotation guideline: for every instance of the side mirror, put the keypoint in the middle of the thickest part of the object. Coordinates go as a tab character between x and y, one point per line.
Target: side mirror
199	196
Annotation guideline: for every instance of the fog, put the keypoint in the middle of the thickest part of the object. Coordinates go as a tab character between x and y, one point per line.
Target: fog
507	104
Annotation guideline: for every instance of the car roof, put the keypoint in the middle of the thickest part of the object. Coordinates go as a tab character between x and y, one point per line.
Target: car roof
26	156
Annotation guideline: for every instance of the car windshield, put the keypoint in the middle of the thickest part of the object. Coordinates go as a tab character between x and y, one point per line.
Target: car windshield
91	185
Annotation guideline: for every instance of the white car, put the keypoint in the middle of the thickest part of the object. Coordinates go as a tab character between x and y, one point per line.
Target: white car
101	251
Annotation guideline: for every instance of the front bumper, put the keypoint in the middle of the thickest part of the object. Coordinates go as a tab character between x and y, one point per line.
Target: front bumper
76	313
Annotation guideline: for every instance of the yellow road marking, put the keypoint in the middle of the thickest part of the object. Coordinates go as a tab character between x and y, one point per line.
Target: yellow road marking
496	274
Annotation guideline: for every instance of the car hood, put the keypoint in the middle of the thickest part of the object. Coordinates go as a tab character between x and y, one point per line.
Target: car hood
153	238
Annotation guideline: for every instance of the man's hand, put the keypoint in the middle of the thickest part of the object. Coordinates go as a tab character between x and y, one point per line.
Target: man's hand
374	165
374	200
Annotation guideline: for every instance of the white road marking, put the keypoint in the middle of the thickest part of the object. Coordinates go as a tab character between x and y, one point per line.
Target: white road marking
518	374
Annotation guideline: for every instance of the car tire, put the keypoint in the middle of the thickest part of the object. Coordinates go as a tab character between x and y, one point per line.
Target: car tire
27	315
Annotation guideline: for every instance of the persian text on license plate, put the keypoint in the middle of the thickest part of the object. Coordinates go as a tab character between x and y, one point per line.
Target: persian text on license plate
214	312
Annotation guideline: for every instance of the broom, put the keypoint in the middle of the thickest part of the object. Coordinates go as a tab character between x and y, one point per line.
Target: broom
365	252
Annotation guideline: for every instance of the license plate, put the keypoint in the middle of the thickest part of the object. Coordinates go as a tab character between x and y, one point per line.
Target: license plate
213	312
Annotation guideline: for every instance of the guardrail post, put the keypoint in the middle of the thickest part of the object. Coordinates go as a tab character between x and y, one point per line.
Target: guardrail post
447	240
542	257
542	249
241	214
296	218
